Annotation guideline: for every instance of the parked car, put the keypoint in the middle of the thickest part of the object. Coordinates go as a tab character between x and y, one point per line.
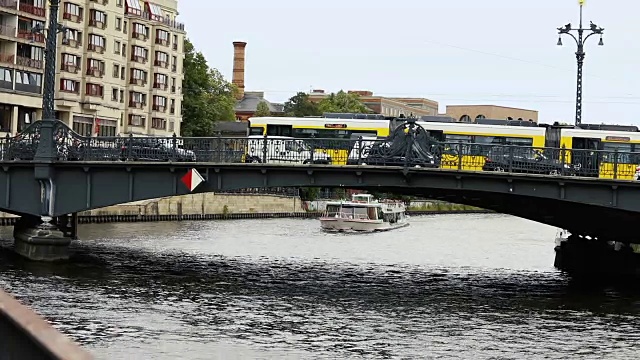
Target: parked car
528	161
141	149
282	149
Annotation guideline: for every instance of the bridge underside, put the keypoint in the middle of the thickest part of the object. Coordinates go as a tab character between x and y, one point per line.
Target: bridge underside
596	207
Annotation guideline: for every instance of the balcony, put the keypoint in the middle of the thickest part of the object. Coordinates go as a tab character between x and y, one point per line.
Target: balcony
72	43
97	24
149	17
7	59
162	64
95	72
96	48
163	42
9	31
31	36
159	108
9	4
72	17
139	82
31	9
28	62
136	104
139	59
140	36
160	86
70	68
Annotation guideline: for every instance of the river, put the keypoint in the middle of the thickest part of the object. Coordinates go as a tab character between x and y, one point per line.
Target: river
448	286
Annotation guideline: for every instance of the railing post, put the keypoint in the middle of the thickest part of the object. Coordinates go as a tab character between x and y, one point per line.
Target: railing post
264	149
563	159
359	151
174	146
460	156
510	158
129	142
615	164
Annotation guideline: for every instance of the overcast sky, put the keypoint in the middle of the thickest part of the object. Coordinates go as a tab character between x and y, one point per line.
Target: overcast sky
500	52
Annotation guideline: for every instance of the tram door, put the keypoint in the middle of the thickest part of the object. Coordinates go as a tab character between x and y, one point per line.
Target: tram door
585	153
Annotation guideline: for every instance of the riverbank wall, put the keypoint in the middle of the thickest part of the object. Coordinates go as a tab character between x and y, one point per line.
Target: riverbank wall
216	206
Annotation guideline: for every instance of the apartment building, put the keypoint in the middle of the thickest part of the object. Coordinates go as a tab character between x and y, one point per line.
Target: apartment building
118	66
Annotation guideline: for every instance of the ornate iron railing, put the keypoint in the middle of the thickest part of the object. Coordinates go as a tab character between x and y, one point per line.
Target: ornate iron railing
408	146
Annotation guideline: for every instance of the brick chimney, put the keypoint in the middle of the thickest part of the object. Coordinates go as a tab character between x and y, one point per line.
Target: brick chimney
238	67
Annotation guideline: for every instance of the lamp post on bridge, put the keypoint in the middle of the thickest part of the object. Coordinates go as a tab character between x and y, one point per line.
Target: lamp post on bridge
46	151
580	54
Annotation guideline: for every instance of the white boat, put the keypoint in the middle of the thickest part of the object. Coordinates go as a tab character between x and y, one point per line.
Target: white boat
562	235
364	214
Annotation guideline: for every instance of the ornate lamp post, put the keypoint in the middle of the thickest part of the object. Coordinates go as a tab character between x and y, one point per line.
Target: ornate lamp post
580	54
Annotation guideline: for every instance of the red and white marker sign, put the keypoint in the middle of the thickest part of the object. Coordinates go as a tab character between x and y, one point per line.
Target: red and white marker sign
192	179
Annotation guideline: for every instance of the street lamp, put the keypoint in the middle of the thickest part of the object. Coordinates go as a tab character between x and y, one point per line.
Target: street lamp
580	54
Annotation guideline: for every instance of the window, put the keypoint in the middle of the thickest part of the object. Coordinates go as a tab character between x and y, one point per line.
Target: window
159	123
119	3
138	76
162	37
28	78
162	59
160	81
133	7
159	103
172	108
116	47
136	120
118	23
67	85
94	90
136	99
175	42
174	63
95	67
72	12
114	94
70	63
72	38
140	31
116	70
97	18
124	49
96	43
139	54
121	96
6	75
173	85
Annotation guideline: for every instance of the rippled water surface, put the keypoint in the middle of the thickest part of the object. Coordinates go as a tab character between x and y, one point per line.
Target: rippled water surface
454	286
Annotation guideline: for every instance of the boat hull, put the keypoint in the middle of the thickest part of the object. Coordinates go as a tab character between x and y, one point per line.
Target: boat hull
350	225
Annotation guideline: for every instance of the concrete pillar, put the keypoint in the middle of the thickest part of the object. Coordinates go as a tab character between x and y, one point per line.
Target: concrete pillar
40	242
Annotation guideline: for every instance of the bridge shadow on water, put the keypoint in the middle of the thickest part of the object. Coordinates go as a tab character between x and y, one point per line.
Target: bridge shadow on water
148	276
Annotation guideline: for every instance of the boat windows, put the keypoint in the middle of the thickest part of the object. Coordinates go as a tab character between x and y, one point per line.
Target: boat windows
333	210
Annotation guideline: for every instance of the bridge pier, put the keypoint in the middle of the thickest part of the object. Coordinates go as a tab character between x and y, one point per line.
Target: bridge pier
38	241
579	255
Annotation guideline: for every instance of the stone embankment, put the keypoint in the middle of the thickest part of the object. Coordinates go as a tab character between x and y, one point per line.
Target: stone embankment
213	206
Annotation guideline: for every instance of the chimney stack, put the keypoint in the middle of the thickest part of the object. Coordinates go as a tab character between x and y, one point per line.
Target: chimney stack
238	67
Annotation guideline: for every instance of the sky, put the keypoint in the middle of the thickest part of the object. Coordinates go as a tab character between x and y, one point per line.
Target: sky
499	52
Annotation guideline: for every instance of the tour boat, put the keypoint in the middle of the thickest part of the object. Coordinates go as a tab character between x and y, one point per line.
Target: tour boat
364	214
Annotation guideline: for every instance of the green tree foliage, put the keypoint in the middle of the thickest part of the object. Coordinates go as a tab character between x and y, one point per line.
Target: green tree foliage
207	96
300	106
342	102
262	109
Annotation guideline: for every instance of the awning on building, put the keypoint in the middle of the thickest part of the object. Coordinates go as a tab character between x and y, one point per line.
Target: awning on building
155	10
134	5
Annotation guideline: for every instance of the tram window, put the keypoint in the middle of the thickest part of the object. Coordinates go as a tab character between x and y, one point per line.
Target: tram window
458	138
256	131
485	144
519	141
279	130
624	150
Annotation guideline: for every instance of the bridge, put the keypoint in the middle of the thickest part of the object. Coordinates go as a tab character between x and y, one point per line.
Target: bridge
50	173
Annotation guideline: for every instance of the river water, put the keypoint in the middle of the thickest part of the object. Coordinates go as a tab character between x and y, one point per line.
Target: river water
449	286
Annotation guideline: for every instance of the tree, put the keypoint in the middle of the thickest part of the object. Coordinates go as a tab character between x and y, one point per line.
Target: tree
300	106
342	102
262	109
207	96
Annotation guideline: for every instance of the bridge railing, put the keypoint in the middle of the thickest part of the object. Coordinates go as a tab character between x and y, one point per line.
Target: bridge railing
401	149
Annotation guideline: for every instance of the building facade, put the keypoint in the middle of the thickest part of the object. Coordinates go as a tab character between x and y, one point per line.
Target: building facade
118	66
387	106
468	113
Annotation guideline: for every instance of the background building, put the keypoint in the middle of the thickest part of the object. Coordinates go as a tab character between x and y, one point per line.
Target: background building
387	106
248	100
118	66
468	113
